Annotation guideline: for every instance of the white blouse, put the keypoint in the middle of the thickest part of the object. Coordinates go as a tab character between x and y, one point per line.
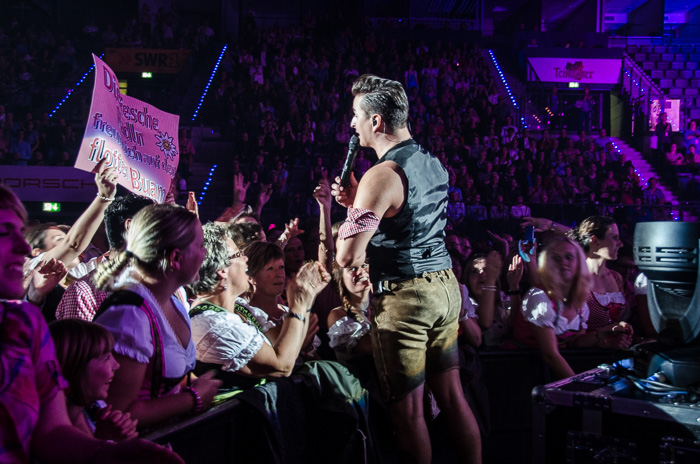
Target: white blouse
224	338
539	310
131	330
347	332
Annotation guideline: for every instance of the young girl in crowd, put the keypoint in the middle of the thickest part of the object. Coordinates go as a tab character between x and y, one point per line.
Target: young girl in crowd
348	325
84	352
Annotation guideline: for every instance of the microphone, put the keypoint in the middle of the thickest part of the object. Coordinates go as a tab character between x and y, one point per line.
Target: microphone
353	147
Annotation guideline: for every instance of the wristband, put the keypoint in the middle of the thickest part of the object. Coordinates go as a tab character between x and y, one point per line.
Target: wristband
102	197
489	288
295	316
198	404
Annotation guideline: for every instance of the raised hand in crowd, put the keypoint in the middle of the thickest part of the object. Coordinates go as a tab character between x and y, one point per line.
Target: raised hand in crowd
515	273
191	204
500	244
326	244
80	234
291	229
43	279
308	282
265	195
240	188
544	225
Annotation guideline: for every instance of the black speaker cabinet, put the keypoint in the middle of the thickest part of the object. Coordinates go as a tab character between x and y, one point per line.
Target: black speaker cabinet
594	417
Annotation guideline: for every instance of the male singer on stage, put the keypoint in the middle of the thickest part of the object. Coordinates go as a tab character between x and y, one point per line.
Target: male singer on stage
396	216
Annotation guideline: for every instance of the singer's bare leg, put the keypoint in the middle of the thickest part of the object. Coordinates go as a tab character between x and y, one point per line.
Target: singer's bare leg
412	435
464	430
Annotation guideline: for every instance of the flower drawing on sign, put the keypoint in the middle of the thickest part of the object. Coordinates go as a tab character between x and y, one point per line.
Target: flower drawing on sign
166	145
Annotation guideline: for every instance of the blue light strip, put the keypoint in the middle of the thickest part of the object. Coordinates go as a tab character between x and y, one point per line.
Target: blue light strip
70	91
503	79
206	185
211	78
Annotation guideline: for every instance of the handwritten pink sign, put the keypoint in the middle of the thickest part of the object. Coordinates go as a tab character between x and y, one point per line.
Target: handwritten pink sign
137	138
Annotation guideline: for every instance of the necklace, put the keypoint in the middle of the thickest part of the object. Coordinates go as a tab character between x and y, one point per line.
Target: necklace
240	310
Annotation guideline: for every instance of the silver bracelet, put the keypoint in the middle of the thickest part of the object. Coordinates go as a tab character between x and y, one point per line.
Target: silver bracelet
102	197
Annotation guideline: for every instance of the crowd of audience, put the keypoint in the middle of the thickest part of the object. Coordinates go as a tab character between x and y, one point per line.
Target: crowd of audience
175	296
41	61
282	96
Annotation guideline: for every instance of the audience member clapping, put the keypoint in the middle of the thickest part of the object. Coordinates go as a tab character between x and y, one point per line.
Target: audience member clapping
228	336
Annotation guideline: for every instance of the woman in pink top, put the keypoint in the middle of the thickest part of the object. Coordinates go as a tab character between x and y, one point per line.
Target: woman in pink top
34	424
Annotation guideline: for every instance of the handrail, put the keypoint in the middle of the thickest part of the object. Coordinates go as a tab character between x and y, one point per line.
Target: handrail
636	83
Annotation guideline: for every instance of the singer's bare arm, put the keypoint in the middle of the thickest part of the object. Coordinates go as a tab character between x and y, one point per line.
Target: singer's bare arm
383	190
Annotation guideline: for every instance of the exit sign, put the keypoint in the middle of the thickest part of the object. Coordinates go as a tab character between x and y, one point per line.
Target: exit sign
51	207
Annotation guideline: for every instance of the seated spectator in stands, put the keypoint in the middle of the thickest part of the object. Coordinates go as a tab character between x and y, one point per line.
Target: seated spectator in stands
476	211
602	140
151	329
349	325
692	159
674	157
21	150
554	311
691	137
499	212
455	209
545	143
507	126
563	139
519	210
609	186
457	245
35	422
82	298
84	352
627	194
653	196
230	336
